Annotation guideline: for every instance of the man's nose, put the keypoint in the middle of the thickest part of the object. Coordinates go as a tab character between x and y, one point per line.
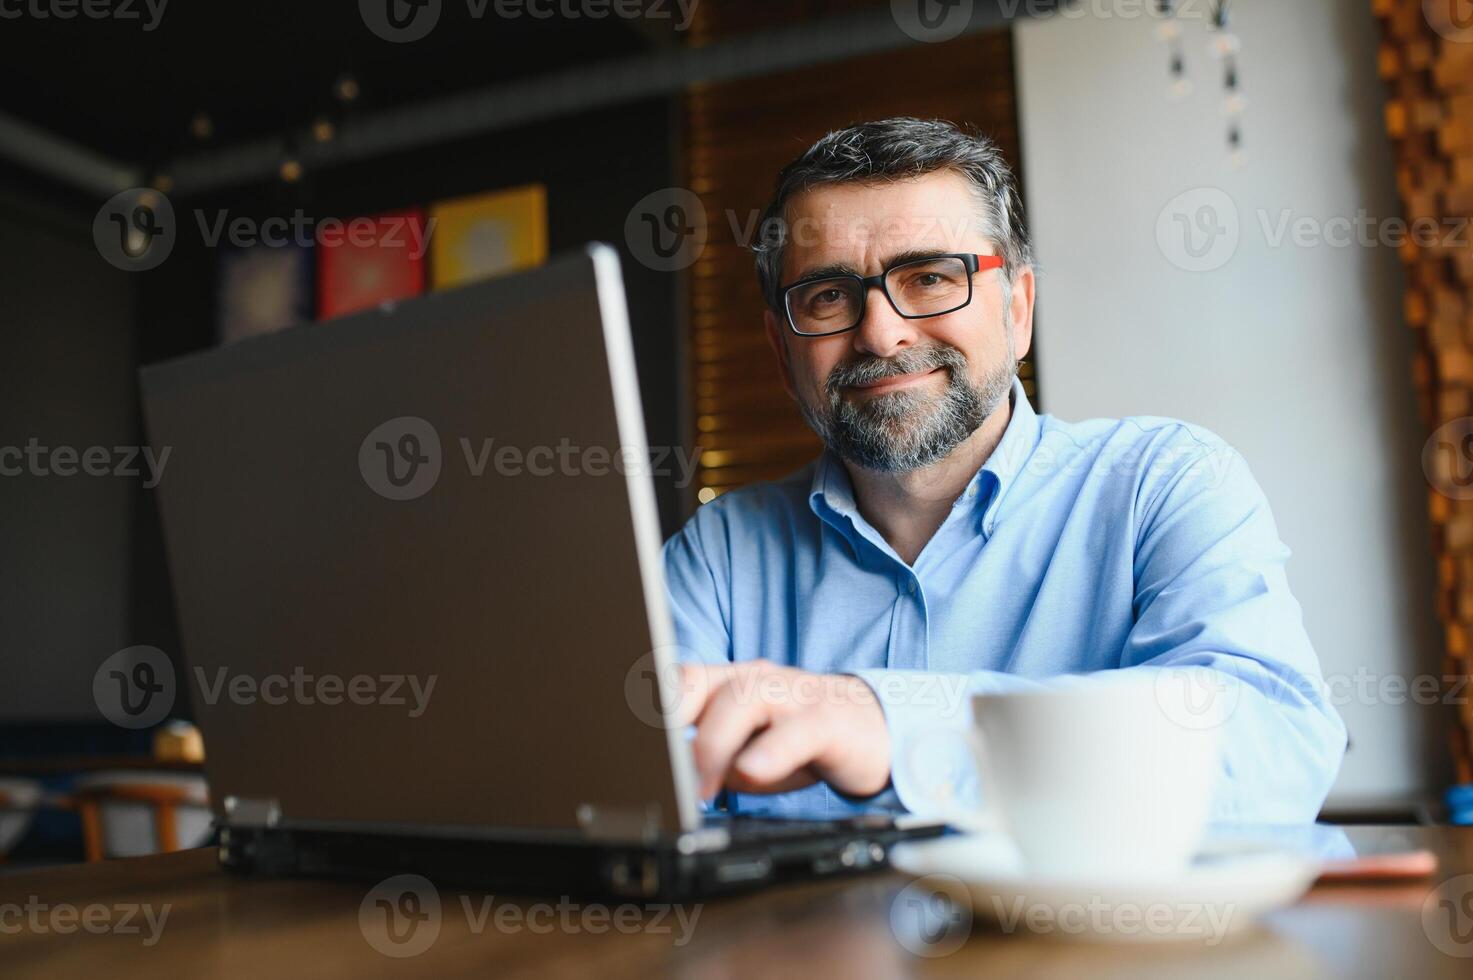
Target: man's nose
882	331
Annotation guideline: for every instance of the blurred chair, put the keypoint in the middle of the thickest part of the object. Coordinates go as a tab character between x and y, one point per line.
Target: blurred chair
19	799
128	814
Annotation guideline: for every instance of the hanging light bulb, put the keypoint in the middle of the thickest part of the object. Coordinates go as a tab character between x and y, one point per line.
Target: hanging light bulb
1181	85
346	89
1230	80
323	130
1224	43
202	126
1237	156
290	170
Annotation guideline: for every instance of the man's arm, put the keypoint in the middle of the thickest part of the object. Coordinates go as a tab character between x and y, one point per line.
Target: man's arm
1213	612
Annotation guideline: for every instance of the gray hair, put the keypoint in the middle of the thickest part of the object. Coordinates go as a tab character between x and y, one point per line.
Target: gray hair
897	149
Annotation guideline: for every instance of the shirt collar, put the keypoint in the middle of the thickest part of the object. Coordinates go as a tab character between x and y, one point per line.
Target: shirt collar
831	493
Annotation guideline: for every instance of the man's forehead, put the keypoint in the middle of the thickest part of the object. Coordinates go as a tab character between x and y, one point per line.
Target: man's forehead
862	224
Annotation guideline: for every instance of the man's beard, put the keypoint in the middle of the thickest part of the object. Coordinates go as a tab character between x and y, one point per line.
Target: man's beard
908	429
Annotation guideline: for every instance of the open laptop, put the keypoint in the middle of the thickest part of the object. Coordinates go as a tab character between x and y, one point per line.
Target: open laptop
419	584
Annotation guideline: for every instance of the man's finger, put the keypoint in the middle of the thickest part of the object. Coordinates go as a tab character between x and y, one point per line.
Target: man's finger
727	723
779	759
697	682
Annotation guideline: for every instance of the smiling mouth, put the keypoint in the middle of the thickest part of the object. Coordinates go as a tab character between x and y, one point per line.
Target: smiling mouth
894	382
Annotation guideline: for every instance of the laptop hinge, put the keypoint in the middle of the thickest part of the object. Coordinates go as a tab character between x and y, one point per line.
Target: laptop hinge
619	823
242	811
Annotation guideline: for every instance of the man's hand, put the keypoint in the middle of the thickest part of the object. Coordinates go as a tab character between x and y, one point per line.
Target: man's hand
763	728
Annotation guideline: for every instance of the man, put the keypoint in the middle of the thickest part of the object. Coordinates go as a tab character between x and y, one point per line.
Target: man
950	541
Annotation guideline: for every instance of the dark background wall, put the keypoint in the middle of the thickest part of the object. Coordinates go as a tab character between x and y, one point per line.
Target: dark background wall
67	373
75	329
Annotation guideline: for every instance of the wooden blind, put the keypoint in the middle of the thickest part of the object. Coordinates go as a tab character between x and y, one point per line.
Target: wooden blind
738	136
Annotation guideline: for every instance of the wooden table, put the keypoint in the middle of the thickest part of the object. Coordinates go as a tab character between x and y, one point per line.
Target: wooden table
218	926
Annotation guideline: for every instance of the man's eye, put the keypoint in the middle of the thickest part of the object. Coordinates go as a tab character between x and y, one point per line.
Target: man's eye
929	279
829	296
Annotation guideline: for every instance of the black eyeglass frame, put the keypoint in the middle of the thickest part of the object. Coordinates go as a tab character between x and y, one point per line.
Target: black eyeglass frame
974	261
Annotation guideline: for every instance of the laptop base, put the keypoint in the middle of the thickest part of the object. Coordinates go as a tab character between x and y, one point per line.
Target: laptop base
658	871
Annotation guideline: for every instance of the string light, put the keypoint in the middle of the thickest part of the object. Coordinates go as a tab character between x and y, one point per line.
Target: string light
1223	47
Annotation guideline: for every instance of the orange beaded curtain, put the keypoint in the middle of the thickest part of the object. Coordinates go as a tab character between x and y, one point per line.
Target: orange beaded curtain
1426	61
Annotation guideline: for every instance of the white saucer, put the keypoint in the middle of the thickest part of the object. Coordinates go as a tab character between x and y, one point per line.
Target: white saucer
1218	894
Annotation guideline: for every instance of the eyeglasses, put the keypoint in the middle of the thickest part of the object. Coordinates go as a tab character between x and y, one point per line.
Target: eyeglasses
916	288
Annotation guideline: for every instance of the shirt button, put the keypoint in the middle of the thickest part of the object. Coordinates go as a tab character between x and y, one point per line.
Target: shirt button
911	587
972	490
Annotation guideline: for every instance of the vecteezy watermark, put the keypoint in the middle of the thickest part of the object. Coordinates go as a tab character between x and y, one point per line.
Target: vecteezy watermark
666	229
402	916
402	459
62	918
137	229
134	688
137	688
657	687
1208	921
931	916
303	231
932	21
1447	916
1447	459
1453	19
302	688
134	230
1202	696
935	21
150	13
1199	230
403	21
35	459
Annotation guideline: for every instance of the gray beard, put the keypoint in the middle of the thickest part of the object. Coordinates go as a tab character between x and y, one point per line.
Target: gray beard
907	430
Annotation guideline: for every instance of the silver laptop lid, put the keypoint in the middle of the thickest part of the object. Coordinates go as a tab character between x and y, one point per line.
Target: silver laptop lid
418	580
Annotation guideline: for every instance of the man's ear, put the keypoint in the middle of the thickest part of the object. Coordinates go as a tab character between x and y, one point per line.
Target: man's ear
1020	312
777	337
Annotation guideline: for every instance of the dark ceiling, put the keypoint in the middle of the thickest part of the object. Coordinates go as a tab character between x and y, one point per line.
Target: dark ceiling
261	67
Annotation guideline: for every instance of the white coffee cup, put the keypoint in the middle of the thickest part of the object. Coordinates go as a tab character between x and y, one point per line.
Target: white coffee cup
1101	776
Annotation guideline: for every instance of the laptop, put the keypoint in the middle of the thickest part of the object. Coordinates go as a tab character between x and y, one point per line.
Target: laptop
417	567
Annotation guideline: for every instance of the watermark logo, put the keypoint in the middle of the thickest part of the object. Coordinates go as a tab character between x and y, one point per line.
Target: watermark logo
1199	230
1453	19
1447	459
400	459
400	21
932	21
400	916
654	687
1198	698
135	229
930	918
1447	916
134	688
666	230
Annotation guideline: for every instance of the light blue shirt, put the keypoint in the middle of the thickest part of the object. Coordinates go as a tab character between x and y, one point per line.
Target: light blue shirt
1139	543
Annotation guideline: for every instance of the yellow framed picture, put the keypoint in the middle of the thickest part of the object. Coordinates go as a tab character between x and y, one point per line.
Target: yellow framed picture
487	234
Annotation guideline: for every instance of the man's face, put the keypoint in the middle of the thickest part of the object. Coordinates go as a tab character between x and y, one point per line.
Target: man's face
897	394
